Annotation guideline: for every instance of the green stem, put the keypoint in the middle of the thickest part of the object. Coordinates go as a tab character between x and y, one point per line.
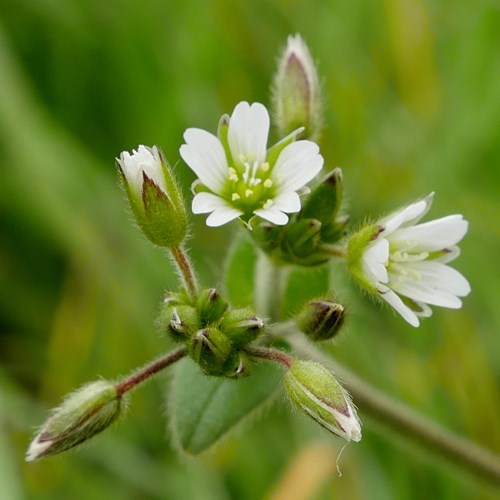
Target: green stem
398	417
149	370
269	284
186	270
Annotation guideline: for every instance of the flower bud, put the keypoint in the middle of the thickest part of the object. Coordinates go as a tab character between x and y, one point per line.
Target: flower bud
179	321
321	319
212	350
154	196
241	326
323	204
82	415
211	306
315	391
296	93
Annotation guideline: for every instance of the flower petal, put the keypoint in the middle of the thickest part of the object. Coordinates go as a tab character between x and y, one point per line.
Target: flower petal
433	235
429	295
288	202
407	216
296	165
205	156
248	132
273	215
438	275
395	302
203	203
222	215
375	258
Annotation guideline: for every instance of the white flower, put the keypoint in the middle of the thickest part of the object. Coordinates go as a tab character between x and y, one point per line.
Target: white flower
405	262
142	162
240	177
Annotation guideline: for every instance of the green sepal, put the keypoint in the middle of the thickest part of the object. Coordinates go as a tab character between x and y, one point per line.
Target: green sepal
212	350
299	242
179	321
323	204
241	326
315	391
356	246
274	151
211	306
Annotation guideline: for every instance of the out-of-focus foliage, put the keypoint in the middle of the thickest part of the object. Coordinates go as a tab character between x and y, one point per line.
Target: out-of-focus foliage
413	96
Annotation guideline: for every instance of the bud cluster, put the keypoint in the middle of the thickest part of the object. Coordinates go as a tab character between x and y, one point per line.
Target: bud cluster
214	333
305	240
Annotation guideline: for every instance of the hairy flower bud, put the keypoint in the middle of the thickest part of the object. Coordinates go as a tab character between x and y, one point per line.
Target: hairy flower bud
321	319
315	391
82	415
296	95
179	321
241	326
154	196
212	350
211	306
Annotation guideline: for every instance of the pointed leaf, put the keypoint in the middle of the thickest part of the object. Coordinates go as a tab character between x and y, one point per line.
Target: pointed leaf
204	409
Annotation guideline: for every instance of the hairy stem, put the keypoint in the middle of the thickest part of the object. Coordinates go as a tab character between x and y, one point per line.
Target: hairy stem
270	354
397	417
149	370
186	270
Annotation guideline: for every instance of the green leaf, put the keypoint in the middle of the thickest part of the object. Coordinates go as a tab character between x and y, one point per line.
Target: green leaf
304	284
240	266
204	409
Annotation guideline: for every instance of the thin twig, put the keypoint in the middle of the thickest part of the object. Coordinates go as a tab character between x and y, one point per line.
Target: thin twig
149	370
182	260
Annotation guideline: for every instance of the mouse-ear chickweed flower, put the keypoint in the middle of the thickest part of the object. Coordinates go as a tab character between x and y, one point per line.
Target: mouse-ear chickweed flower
154	196
240	177
404	262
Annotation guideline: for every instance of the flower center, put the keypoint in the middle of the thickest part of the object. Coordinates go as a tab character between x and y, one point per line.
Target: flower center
249	185
399	264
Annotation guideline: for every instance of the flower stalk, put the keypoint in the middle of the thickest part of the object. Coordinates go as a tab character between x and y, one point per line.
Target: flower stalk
147	371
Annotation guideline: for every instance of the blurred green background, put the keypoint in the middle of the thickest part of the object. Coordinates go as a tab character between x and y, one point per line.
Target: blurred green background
412	90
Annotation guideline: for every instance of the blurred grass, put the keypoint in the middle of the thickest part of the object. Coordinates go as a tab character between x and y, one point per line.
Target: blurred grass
413	96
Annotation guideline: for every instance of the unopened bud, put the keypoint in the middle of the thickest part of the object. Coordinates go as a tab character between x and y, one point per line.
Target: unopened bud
82	415
324	204
212	350
296	95
321	319
241	326
211	306
154	196
179	321
315	391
